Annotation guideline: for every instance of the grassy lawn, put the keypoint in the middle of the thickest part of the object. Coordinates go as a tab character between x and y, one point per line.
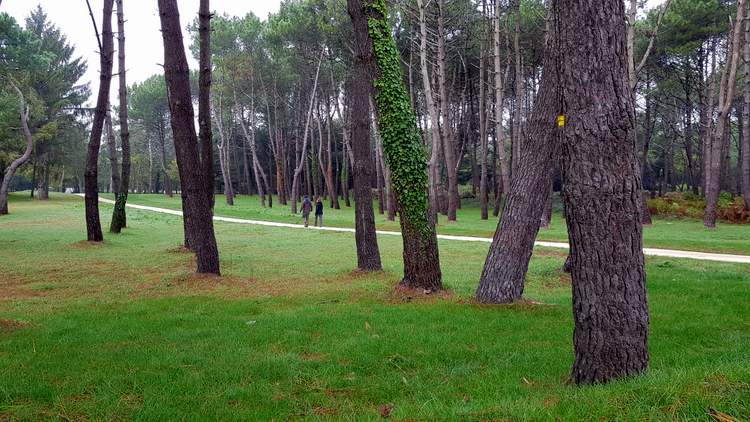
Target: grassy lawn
682	234
123	330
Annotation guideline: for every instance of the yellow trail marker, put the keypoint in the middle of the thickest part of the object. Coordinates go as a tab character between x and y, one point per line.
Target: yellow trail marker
561	120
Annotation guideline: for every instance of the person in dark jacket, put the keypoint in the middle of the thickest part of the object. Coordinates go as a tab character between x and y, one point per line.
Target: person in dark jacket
306	209
319	212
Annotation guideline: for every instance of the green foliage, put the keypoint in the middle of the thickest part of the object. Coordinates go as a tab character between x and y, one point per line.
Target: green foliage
675	204
397	123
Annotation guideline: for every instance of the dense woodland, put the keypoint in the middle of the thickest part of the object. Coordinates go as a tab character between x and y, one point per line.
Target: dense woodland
280	99
423	105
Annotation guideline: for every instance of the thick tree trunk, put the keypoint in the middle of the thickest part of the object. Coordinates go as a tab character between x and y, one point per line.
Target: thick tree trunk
93	225
401	142
119	215
197	203
18	162
602	190
368	253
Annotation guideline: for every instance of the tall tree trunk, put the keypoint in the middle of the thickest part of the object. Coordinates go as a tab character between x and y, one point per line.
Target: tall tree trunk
368	253
91	175
302	161
401	142
448	135
746	120
198	205
112	147
585	65
499	131
18	162
483	178
721	132
518	90
119	216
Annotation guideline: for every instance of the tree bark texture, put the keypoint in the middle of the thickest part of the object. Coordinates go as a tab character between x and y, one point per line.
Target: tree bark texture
197	205
401	143
93	225
119	215
746	120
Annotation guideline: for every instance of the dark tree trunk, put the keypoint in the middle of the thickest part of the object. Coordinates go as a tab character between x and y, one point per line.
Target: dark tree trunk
119	216
585	65
93	225
368	253
401	142
193	171
602	194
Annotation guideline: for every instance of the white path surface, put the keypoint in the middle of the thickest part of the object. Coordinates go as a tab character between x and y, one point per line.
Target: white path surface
703	256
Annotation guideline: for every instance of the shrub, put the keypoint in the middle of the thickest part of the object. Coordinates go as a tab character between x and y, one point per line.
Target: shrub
689	205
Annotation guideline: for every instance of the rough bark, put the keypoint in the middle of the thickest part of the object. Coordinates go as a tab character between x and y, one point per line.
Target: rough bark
119	215
18	162
587	41
368	253
197	209
401	142
93	225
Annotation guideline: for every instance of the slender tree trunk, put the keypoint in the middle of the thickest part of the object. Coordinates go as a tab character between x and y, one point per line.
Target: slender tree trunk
93	225
745	169
721	132
119	216
193	169
499	130
112	147
401	142
18	162
483	178
448	135
518	90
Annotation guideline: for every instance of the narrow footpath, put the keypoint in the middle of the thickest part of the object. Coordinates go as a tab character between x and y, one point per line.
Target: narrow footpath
669	253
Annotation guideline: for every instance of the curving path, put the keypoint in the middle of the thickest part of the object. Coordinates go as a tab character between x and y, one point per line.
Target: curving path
703	256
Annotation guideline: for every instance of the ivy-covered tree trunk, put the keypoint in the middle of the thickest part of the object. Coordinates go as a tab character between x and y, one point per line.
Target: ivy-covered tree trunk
197	205
91	175
402	145
119	216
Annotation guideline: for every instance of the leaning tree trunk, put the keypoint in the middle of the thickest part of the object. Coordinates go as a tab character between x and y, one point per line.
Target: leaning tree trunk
368	253
198	206
401	143
119	217
585	85
91	175
11	170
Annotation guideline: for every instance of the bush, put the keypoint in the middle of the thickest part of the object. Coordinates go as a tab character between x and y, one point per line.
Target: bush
689	205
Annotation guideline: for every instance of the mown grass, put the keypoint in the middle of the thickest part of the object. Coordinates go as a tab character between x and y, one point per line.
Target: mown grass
123	330
682	234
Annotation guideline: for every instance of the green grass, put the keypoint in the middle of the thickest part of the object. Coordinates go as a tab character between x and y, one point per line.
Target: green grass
123	330
681	234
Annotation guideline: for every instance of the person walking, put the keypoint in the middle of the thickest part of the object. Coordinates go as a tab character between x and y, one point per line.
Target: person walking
306	209
319	212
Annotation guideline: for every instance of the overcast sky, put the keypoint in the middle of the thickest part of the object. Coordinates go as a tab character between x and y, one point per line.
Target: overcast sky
144	52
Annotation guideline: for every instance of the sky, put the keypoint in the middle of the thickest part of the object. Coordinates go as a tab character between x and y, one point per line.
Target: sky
143	51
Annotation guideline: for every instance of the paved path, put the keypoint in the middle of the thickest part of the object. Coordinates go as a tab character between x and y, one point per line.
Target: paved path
704	256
